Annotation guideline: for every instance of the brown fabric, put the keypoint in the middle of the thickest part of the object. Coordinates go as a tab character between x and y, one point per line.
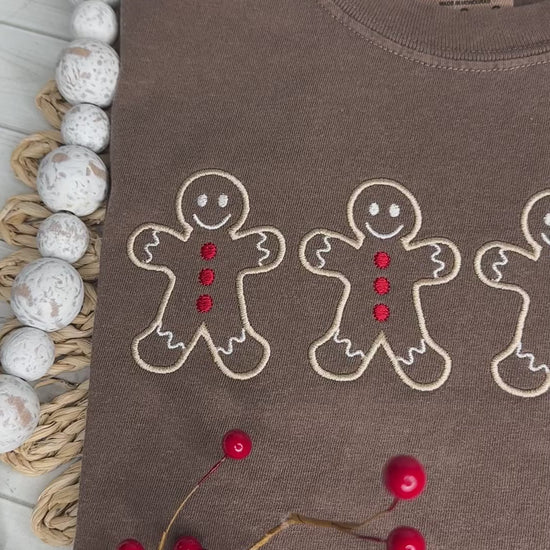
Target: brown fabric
303	102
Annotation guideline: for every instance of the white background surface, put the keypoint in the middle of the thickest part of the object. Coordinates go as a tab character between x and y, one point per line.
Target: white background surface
32	33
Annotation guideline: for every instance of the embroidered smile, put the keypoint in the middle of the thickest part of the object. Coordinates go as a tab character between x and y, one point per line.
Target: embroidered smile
545	238
211	227
395	232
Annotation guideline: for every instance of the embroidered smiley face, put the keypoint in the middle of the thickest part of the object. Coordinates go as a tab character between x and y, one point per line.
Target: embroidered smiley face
383	212
202	201
211	202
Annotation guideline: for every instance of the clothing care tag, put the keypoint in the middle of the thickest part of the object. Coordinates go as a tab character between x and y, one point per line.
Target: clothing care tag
467	4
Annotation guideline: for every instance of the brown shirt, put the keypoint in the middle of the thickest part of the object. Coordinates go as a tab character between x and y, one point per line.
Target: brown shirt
329	226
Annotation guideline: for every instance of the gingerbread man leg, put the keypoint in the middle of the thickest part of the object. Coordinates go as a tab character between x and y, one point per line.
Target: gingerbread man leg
165	344
419	361
523	369
160	348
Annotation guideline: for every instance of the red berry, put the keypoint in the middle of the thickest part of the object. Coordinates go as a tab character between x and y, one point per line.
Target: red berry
382	260
204	303
404	477
381	285
405	538
206	277
130	544
236	444
188	543
381	312
208	251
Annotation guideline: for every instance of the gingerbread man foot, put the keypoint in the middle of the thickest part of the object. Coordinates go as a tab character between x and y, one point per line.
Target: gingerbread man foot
521	372
422	366
339	355
160	350
240	351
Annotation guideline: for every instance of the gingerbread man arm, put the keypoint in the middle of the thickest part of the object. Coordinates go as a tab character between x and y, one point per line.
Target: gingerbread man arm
323	252
502	264
154	247
438	259
269	244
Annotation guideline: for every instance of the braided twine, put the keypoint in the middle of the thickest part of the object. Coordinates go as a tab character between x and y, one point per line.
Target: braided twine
59	436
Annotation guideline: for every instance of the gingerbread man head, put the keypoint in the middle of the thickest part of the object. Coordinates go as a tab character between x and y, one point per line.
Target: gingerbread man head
384	210
212	200
536	219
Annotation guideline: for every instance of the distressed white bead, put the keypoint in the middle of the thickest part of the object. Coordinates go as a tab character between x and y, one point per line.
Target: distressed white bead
27	353
94	19
20	410
87	72
63	236
72	178
110	2
47	294
86	125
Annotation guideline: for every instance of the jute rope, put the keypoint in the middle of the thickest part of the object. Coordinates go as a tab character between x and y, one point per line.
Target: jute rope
51	104
54	516
59	437
27	155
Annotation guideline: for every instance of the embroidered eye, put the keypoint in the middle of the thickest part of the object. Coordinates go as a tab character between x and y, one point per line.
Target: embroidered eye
374	208
202	200
547	218
394	210
223	200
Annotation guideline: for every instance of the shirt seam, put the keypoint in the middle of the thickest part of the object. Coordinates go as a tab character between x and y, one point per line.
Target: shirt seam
424	63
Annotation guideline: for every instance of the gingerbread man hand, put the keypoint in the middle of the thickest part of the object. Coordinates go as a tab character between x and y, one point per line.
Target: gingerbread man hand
206	263
382	269
523	367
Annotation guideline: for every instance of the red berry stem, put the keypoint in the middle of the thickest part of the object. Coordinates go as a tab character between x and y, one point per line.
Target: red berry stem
186	499
345	527
212	470
236	445
393	504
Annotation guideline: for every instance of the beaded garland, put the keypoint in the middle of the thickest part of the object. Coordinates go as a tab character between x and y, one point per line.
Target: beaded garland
72	178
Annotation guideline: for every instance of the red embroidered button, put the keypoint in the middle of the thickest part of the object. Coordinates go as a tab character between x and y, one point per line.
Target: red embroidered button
204	303
206	277
381	312
382	260
381	285
208	251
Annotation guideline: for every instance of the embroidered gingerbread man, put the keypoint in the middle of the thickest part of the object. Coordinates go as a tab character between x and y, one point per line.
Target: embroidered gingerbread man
512	268
382	269
205	264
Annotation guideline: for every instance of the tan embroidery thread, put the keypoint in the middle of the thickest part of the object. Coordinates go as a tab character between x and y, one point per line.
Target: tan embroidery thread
501	252
381	313
156	233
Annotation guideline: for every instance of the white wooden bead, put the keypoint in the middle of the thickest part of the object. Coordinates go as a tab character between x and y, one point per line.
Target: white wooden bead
63	236
47	294
27	353
20	409
87	72
72	178
86	125
94	19
110	2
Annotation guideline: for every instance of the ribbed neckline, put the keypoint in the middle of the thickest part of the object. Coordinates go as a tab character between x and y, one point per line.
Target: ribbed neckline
508	37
